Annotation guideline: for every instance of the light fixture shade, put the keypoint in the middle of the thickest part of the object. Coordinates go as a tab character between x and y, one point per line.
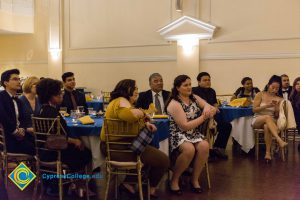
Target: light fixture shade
178	5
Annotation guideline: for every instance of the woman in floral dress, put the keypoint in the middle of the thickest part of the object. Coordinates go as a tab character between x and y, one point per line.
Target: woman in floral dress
187	113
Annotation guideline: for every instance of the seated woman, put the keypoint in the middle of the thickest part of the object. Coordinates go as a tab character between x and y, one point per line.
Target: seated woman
30	102
187	112
247	90
295	100
121	107
266	110
50	94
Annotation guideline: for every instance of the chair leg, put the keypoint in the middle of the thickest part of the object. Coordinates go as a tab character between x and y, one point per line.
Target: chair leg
140	184
116	184
207	175
59	172
148	189
256	144
107	183
87	184
5	171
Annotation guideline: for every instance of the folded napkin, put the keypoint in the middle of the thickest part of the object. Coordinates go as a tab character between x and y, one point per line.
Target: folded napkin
86	120
160	117
88	98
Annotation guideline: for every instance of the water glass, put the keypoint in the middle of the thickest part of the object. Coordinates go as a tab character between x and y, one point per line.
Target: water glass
80	108
74	115
63	111
91	111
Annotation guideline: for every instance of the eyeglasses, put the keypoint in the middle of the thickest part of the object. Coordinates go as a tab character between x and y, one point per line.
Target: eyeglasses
15	79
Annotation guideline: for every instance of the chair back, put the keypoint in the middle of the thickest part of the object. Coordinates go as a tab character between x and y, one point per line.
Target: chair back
42	127
106	98
2	140
119	136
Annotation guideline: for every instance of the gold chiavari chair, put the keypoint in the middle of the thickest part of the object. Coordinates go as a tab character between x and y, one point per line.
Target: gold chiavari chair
7	157
118	143
43	127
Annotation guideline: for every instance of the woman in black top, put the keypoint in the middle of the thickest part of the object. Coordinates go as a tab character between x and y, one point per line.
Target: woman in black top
247	90
50	94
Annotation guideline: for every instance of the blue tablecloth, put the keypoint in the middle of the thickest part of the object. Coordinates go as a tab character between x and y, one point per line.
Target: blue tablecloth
95	104
228	114
162	131
78	129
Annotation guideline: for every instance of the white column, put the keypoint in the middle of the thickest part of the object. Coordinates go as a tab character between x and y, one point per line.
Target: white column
188	61
55	58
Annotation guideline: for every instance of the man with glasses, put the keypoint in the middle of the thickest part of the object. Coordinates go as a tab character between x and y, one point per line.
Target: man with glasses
18	140
155	95
72	98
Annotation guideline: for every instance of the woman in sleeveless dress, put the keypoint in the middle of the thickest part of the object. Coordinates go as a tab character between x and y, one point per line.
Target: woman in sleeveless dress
187	112
266	109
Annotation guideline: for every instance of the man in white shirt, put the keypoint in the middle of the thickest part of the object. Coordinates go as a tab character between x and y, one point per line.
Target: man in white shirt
155	95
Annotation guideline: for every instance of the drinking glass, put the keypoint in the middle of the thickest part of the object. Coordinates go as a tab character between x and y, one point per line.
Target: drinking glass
63	111
80	108
74	116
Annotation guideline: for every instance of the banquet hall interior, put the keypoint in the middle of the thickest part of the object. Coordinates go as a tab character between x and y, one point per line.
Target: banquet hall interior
105	41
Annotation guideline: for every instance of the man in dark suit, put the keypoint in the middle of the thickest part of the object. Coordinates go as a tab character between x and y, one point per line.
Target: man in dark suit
72	98
18	140
286	89
155	95
207	93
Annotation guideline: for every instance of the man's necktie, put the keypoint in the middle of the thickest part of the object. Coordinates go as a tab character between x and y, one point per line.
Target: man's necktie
73	101
157	104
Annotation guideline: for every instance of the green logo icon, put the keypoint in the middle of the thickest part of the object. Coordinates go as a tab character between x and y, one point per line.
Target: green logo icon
22	176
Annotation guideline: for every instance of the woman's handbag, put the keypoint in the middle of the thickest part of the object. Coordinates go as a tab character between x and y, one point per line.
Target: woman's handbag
56	141
141	141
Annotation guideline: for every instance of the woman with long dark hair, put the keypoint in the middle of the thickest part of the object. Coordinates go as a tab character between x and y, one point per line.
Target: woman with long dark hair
295	100
121	107
266	112
187	113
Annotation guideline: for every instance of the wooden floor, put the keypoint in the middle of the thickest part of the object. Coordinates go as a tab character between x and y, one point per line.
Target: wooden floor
240	177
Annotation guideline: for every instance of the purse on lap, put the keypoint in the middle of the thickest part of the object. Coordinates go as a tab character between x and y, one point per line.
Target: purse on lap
141	141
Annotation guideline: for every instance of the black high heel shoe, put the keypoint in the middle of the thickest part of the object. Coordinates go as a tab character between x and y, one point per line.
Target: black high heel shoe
196	190
175	192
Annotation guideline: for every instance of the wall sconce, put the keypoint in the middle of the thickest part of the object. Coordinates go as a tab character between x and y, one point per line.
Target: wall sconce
55	53
178	5
188	44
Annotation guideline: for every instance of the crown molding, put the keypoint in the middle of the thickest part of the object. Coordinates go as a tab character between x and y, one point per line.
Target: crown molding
23	62
279	55
120	59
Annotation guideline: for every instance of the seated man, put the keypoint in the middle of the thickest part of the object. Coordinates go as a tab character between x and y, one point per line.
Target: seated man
155	95
18	140
286	89
205	91
72	98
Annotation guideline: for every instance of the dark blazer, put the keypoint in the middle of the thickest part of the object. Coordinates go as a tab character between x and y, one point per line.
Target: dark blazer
27	110
289	91
79	98
146	98
9	123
